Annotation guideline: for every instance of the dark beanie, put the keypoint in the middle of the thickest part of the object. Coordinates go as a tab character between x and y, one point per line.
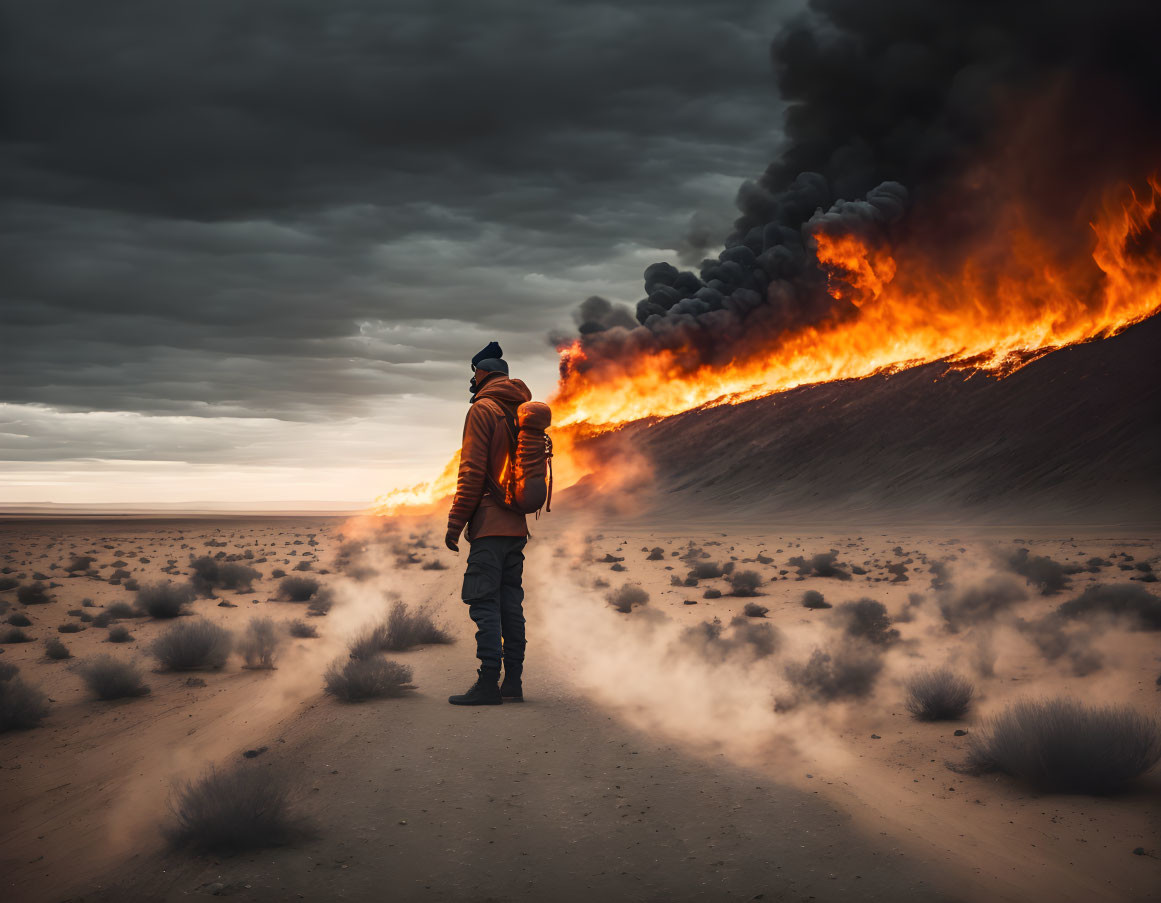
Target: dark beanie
493	365
491	352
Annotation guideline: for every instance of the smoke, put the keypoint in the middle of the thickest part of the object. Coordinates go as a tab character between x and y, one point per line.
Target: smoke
934	130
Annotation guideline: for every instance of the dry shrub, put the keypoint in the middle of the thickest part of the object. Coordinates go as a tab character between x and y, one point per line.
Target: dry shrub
849	672
867	619
19	619
297	589
70	627
824	564
745	637
56	650
243	808
354	679
191	645
406	628
119	634
301	630
1063	746
108	678
8	671
210	574
259	645
754	610
21	705
14	635
1123	600
981	602
656	554
79	563
1045	574
745	583
706	570
33	594
627	597
938	695
812	598
158	600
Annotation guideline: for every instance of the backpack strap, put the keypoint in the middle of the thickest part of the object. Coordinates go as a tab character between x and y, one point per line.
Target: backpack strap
503	494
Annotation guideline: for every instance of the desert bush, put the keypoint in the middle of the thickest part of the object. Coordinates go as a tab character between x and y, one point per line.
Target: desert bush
122	610
712	594
55	649
849	672
303	565
33	594
1045	574
706	570
70	627
1063	746
119	633
108	678
210	574
297	589
277	572
745	583
19	619
7	583
194	644
867	619
405	628
981	602
812	598
354	679
628	596
938	695
754	610
746	637
434	565
301	629
102	619
259	644
8	671
21	705
656	554
158	600
80	563
244	808
14	635
821	565
1123	599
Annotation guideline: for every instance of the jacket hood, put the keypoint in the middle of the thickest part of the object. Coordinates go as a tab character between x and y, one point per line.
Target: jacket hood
503	390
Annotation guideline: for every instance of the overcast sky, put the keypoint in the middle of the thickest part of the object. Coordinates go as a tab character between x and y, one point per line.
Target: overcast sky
249	248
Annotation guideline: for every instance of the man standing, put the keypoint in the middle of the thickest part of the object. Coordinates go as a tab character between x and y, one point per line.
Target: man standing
497	533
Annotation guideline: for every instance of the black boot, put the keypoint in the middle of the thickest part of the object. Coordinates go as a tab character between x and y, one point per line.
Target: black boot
510	689
485	691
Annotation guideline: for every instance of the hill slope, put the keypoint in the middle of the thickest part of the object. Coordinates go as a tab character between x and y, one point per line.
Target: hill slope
1073	437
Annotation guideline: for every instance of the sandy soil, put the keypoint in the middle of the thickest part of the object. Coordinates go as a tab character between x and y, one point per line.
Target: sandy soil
645	765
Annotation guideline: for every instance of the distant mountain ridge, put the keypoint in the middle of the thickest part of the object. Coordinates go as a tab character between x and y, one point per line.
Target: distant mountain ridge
1072	437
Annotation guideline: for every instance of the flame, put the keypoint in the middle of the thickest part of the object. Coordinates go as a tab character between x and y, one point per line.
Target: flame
997	314
1005	306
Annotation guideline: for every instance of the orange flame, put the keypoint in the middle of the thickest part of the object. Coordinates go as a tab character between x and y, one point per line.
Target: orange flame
1007	305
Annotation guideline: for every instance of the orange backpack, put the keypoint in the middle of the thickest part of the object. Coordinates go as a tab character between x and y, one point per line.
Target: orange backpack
525	484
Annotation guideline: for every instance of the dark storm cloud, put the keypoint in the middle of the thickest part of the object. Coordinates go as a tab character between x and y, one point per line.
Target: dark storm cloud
286	208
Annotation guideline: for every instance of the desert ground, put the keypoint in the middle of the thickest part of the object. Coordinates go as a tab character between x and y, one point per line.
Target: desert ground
691	730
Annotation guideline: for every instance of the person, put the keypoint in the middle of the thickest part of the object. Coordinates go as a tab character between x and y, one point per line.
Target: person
492	580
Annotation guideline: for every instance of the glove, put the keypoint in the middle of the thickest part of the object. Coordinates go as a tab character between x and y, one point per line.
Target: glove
452	540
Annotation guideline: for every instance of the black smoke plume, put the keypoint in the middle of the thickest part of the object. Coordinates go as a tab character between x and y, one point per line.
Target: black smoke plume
918	126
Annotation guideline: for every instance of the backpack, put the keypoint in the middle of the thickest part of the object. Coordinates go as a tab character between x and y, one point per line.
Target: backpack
525	484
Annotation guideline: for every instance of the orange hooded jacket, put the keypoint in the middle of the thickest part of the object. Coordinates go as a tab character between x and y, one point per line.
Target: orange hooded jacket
485	450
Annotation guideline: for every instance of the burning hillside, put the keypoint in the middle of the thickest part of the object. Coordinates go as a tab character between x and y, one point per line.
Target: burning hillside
966	184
